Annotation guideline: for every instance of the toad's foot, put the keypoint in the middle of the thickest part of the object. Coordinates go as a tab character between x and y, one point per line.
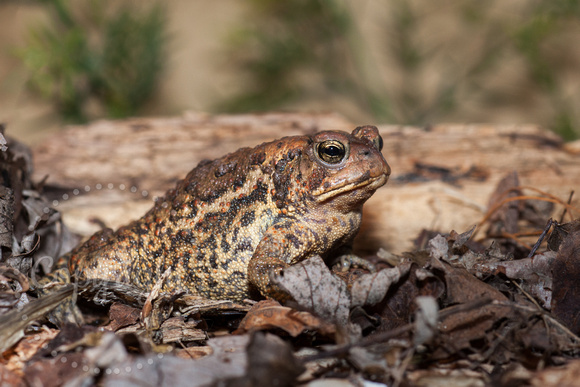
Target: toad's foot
346	261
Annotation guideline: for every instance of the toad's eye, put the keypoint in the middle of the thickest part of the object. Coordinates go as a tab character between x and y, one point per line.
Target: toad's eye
378	142
331	151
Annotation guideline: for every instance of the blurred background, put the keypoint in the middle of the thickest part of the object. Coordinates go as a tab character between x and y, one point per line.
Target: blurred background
416	62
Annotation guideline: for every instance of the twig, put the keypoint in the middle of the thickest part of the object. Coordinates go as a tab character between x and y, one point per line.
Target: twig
542	312
541	238
546	197
528	296
566	208
382	337
12	323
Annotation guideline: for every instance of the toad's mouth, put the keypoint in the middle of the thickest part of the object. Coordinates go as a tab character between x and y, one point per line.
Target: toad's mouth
373	183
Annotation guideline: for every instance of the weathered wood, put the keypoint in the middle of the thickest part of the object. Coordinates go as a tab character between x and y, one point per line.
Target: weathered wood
152	153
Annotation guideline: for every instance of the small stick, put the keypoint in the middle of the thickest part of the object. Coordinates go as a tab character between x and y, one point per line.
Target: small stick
541	238
566	208
381	337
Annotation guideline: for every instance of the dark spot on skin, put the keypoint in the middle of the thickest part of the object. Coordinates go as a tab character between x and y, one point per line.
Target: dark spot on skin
281	165
295	241
204	268
183	237
212	260
239	182
191	186
257	158
212	194
282	226
257	195
316	178
315	235
279	144
225	245
209	244
186	256
142	230
326	184
248	218
225	168
365	176
244	245
282	179
211	221
237	277
190	275
212	283
266	169
292	154
160	251
193	207
214	221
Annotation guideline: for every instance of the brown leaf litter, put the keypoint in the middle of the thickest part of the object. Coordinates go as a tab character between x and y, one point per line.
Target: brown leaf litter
460	310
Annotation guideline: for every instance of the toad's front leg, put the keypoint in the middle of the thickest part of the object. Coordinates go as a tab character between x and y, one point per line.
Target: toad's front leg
284	244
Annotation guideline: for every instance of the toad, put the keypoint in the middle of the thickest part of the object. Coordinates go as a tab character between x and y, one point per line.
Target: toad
233	221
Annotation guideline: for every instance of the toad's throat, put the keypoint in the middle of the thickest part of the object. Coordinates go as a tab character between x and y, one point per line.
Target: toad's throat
376	182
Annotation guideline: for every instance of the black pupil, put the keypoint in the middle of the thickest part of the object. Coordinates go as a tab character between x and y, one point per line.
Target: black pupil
332	150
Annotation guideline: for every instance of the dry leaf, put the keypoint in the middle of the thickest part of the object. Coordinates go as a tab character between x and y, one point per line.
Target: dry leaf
369	289
27	348
314	287
566	274
534	274
122	315
12	323
561	232
270	362
13	288
9	377
462	287
270	314
64	369
229	360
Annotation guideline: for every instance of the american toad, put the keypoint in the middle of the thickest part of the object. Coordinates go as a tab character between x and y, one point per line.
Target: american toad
234	220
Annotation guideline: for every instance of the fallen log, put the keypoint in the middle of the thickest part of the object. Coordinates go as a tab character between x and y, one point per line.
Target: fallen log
442	176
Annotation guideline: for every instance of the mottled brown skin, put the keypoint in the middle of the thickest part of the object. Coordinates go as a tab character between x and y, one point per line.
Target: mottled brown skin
234	220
